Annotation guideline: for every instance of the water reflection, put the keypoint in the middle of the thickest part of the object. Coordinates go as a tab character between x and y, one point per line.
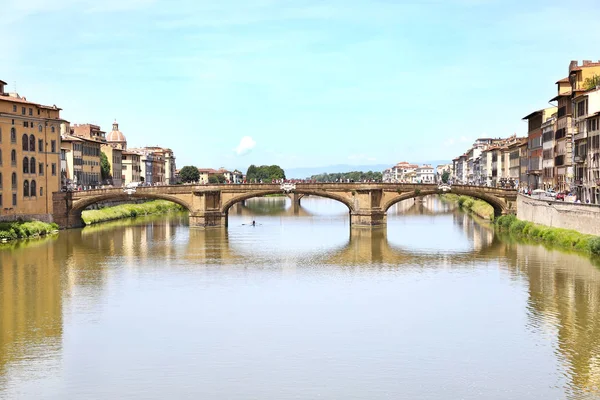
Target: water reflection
533	322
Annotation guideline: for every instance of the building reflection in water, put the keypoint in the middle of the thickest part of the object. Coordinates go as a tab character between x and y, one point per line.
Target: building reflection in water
39	278
31	299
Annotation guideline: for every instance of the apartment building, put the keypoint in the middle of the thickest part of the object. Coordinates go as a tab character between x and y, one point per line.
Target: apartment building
29	157
534	146
548	144
130	167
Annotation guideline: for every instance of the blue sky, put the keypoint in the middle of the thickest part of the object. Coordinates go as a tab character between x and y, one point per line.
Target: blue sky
307	82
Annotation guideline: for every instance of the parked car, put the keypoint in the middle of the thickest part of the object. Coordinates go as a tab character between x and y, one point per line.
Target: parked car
561	196
550	193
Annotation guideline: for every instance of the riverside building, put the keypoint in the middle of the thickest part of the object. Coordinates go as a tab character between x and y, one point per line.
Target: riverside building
29	157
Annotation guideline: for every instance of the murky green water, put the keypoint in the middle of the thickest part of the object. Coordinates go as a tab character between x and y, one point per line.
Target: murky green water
298	307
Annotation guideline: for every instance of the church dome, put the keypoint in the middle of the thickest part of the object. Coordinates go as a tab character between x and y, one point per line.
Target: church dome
116	135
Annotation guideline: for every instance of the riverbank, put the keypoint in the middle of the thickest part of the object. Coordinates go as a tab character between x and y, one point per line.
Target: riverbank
129	211
469	204
24	230
564	238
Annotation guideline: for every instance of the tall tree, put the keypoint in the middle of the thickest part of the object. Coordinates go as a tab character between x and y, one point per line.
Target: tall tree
104	166
265	172
189	173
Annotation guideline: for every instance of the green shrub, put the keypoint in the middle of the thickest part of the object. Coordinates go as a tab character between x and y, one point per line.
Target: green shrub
129	211
517	227
594	245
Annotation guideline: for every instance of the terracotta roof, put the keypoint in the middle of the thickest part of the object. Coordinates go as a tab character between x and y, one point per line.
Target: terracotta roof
532	114
2	82
561	95
70	138
563	80
24	100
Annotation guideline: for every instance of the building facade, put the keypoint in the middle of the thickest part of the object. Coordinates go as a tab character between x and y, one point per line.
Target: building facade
29	157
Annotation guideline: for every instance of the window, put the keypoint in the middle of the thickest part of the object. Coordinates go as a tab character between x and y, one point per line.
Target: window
25	140
25	165
32	188
23	110
0	156
53	146
32	165
40	145
41	169
41	191
14	199
31	143
0	135
14	108
40	128
31	111
0	199
53	169
13	135
0	180
52	129
26	124
13	181
25	188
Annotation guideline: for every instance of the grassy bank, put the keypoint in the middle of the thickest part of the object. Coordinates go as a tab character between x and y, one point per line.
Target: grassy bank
129	211
476	206
564	238
24	230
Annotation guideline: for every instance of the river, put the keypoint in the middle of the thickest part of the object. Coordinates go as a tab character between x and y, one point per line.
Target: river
300	306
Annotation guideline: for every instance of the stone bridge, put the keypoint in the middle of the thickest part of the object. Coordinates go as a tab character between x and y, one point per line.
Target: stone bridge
208	205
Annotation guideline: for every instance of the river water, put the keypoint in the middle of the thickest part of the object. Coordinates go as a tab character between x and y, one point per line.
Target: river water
300	306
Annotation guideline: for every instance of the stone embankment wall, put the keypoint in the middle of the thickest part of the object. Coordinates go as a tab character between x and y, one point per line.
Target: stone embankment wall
584	218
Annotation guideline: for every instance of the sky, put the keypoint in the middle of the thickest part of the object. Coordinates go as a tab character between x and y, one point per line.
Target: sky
297	83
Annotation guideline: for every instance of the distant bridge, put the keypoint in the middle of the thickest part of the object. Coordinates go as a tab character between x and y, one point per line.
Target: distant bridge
208	205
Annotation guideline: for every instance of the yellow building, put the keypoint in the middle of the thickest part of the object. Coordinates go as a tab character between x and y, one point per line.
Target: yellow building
131	167
85	159
29	157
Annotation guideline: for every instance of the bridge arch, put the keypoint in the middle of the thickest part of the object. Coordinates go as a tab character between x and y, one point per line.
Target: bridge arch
499	206
80	205
245	196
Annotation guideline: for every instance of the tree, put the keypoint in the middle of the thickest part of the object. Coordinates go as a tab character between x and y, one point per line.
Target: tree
265	172
104	166
445	176
217	178
189	173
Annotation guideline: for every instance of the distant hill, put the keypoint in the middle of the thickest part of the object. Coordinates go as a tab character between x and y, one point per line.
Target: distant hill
301	173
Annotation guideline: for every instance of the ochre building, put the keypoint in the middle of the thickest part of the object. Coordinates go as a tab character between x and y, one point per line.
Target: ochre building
29	157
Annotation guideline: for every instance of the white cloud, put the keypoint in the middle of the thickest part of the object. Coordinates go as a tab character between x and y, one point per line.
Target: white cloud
246	145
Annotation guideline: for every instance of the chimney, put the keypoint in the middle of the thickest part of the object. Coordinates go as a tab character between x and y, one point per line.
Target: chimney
2	83
572	65
586	62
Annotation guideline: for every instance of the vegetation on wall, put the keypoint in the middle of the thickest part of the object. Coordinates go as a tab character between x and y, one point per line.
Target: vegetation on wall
476	206
23	230
591	83
565	238
129	211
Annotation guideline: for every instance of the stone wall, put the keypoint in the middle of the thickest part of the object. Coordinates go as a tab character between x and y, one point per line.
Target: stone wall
584	218
27	217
